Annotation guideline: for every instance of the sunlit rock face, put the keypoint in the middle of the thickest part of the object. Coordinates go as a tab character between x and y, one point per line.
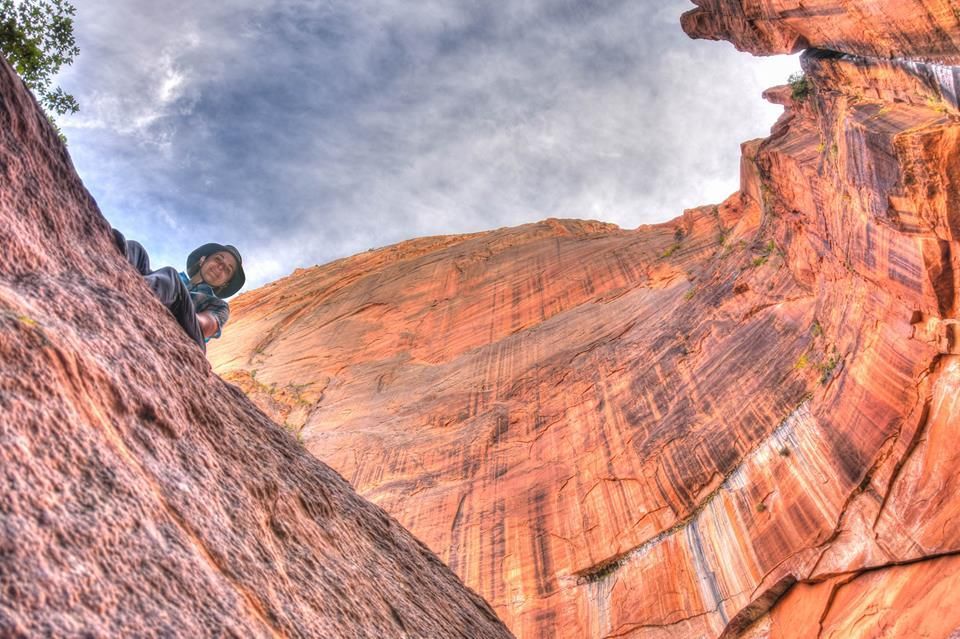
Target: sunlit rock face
919	29
141	495
716	426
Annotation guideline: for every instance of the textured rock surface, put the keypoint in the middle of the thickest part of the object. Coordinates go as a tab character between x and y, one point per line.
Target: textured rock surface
915	600
142	496
920	29
712	427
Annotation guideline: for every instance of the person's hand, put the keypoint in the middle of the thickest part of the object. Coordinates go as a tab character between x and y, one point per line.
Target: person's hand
208	324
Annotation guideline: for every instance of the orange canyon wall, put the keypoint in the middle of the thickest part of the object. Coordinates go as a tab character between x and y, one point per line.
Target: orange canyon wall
738	423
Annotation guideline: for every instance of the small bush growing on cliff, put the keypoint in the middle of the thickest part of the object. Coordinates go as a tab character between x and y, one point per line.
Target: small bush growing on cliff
36	37
816	329
765	253
799	86
826	368
604	570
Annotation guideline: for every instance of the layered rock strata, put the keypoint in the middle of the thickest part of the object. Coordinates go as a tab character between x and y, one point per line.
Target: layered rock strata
738	423
143	496
926	30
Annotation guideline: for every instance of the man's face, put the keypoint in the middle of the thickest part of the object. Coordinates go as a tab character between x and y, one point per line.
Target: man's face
217	269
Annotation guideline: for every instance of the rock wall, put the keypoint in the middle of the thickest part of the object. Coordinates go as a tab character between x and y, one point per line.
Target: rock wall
143	496
927	30
738	423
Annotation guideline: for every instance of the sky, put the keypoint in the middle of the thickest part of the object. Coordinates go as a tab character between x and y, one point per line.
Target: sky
303	131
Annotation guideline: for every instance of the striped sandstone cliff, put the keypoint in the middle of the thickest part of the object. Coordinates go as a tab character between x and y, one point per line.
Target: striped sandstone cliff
741	422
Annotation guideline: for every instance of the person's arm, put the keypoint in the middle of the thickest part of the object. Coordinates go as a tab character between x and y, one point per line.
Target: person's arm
208	323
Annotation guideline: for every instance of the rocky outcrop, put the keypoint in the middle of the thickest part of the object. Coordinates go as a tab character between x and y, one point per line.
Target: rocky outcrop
737	423
143	496
926	30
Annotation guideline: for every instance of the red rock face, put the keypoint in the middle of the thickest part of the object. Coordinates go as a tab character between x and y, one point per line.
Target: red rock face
920	29
142	496
713	427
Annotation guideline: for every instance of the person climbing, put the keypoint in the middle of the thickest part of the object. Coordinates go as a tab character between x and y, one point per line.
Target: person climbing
195	298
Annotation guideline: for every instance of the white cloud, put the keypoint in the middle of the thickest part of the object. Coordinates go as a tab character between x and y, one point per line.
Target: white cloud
171	82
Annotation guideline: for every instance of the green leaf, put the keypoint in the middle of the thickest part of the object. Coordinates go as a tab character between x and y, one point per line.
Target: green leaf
36	37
